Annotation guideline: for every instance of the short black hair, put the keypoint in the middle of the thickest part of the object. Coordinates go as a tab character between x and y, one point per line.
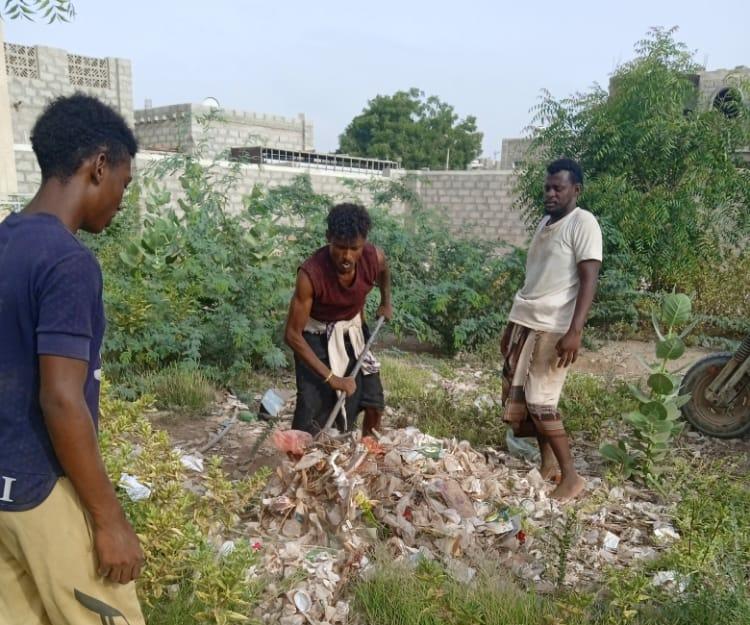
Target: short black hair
73	128
348	221
566	164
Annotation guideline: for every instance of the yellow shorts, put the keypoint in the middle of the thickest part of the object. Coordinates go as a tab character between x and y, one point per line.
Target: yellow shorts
48	568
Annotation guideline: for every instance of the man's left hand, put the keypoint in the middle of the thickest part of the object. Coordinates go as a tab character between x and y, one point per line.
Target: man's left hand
567	348
385	310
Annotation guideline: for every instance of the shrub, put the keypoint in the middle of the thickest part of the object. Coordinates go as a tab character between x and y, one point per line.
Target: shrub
187	281
180	386
178	527
664	176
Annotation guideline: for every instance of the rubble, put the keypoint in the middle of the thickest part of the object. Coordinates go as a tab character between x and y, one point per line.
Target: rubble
422	497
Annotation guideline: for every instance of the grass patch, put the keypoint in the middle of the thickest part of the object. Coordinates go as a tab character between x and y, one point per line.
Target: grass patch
713	518
398	595
588	402
180	387
413	389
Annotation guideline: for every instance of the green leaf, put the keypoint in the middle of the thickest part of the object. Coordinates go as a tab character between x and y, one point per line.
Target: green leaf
636	418
661	426
638	394
660	383
681	400
610	452
676	309
670	348
655	323
673	412
654	410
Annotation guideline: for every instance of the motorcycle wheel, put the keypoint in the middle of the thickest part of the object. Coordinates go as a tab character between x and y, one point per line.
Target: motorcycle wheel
729	422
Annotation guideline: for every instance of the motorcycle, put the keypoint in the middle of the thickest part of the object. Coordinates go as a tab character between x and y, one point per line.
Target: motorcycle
719	388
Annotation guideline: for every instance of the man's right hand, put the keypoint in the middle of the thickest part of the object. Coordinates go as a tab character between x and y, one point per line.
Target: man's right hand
347	385
118	551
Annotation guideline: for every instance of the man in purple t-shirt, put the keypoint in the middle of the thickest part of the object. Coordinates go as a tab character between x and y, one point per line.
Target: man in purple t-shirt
67	552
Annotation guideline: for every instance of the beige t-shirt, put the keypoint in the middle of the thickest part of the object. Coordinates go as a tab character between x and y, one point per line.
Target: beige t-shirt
548	297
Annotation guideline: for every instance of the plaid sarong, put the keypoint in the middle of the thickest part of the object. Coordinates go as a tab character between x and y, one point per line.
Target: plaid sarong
532	381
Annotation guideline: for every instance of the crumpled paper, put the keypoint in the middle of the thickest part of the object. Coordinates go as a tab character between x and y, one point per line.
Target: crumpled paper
135	490
437	499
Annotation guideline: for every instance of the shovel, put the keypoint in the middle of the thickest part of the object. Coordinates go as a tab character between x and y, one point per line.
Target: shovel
355	371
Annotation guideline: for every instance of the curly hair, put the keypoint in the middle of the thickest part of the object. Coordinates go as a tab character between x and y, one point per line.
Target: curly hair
348	221
566	164
73	128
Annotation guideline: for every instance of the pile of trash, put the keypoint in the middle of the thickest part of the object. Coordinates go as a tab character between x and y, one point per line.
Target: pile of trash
438	499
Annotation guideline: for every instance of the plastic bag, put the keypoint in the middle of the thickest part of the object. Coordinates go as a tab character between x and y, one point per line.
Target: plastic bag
521	448
135	489
292	441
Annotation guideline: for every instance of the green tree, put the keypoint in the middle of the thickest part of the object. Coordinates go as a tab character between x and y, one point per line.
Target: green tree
50	10
419	131
663	172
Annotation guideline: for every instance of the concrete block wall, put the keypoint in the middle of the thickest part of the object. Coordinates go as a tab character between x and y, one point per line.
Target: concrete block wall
513	153
27	170
29	96
477	203
166	128
178	127
327	182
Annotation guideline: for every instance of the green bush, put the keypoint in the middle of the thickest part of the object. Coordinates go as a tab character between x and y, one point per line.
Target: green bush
663	175
188	282
176	525
454	293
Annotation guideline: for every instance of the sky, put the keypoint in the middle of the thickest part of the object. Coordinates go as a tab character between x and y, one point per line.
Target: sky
328	58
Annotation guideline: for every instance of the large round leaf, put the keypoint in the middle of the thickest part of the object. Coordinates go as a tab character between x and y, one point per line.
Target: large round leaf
670	348
654	410
675	309
660	383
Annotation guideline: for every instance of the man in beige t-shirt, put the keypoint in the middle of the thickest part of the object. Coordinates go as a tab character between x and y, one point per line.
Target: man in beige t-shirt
547	319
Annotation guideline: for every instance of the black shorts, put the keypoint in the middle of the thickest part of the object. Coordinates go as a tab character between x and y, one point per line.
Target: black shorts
316	399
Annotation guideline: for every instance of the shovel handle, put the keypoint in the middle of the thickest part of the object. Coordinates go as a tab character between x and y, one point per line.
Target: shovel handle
355	371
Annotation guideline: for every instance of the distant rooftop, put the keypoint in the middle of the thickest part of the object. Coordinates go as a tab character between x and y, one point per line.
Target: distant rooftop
340	162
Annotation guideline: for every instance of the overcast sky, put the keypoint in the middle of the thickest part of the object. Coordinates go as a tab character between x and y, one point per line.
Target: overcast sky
327	58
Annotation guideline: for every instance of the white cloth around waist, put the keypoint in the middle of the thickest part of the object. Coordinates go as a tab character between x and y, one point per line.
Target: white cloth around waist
336	333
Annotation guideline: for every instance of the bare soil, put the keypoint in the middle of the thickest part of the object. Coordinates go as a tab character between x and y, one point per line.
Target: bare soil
619	359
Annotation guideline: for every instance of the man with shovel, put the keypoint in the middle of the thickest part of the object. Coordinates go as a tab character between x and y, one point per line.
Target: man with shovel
325	327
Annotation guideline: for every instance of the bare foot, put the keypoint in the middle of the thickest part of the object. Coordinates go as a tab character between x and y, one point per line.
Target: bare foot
570	487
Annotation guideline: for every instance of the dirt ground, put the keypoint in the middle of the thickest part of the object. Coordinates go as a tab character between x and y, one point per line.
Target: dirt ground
619	359
612	360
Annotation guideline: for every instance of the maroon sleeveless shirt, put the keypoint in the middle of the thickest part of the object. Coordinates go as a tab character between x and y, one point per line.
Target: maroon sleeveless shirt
331	301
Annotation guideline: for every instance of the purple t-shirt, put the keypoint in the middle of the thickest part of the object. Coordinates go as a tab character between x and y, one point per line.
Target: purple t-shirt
50	304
